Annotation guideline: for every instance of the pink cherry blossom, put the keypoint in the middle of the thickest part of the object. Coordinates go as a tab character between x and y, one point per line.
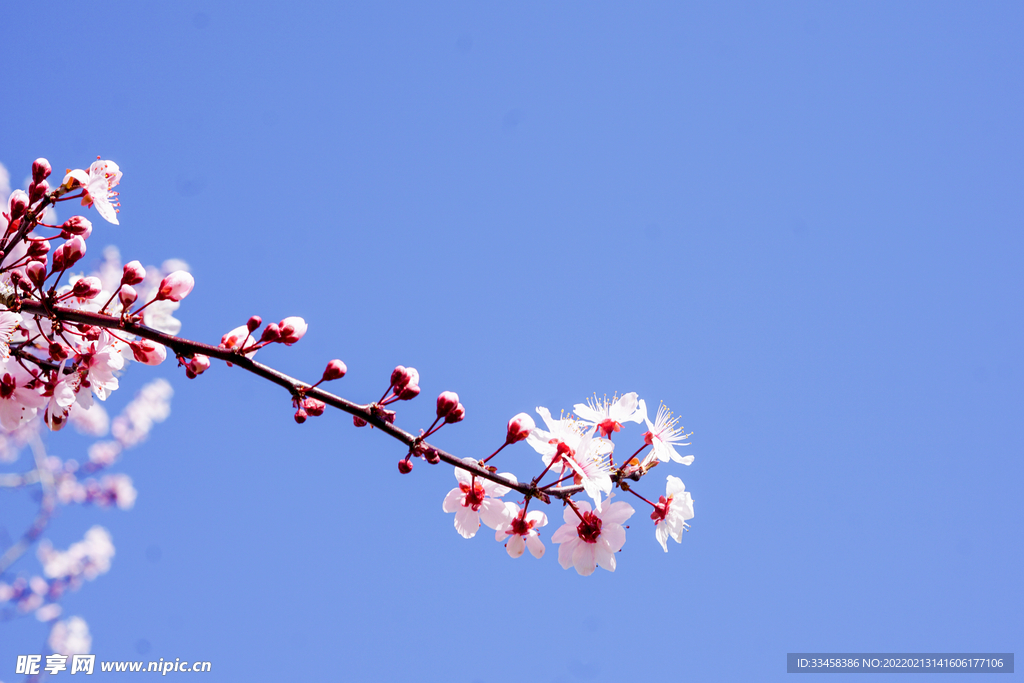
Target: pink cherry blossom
560	440
97	187
591	539
476	500
9	323
519	428
608	415
293	328
663	436
672	512
590	464
520	532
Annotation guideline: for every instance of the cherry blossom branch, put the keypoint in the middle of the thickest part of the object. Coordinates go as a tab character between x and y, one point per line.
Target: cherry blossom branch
187	348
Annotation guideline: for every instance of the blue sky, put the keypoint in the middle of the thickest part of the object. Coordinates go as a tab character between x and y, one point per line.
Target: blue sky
795	223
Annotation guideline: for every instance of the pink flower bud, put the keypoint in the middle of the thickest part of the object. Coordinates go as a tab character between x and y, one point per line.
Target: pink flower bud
197	365
446	403
457	415
402	376
87	288
40	170
335	370
293	328
175	286
300	415
432	456
68	254
405	466
358	421
314	406
77	225
134	273
148	352
36	273
18	204
271	333
519	427
38	249
409	392
128	296
37	190
254	323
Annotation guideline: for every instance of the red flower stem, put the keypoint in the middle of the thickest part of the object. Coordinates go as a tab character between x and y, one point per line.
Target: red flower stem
555	483
575	509
496	452
642	498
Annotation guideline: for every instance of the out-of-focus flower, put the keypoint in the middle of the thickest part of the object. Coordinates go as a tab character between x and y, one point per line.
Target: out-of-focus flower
71	637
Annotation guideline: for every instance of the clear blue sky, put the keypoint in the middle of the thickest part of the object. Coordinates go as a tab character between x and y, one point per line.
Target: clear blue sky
796	223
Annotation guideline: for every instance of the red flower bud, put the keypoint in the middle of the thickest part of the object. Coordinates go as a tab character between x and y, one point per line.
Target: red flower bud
446	403
253	324
300	415
271	333
457	414
314	407
38	249
405	466
519	427
410	392
358	421
87	287
293	328
40	170
19	204
37	190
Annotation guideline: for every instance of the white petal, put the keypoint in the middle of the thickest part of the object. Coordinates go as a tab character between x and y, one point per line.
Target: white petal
453	501
467	522
565	552
493	513
604	555
674	485
535	545
661	534
616	513
615	536
564	533
515	545
583	558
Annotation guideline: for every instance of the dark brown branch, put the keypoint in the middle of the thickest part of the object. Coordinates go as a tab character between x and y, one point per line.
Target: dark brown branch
188	348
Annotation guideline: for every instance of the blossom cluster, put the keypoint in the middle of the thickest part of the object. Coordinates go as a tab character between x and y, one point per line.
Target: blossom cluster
580	447
67	336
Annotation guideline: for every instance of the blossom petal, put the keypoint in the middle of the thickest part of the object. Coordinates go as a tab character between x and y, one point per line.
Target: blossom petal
604	555
616	513
453	501
515	546
467	522
614	535
565	552
535	545
583	558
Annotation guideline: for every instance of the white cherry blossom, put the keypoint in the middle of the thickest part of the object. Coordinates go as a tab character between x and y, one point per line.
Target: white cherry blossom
592	541
672	512
520	532
608	415
475	500
663	436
